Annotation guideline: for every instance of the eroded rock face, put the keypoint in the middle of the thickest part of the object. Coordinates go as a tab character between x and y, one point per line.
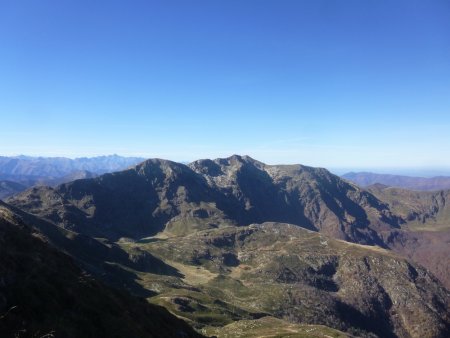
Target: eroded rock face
425	234
160	194
430	249
430	208
305	277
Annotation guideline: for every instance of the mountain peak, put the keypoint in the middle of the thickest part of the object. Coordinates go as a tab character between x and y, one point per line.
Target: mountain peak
242	158
152	164
158	194
239	160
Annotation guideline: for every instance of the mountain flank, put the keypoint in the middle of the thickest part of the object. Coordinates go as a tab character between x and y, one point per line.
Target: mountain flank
43	293
425	235
300	276
164	196
9	188
159	195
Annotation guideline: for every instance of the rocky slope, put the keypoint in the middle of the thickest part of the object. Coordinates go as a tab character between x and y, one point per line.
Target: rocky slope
161	195
281	270
311	197
425	235
270	327
420	209
43	293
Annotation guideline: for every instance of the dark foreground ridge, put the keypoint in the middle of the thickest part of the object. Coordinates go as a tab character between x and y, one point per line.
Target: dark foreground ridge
43	293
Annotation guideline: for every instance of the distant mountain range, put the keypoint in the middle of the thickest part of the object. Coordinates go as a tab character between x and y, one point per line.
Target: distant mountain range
27	166
18	173
365	179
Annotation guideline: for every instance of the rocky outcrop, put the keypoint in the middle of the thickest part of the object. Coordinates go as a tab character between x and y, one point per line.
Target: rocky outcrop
160	194
305	277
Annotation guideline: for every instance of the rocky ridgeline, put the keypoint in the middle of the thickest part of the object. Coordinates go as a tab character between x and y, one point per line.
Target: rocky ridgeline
160	194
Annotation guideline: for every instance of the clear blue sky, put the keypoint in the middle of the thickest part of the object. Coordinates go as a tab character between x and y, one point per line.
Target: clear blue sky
355	84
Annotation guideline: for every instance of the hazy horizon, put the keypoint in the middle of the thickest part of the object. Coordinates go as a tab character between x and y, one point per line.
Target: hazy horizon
406	171
337	85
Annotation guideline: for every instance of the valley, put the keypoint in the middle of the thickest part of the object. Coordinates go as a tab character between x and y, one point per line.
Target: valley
233	246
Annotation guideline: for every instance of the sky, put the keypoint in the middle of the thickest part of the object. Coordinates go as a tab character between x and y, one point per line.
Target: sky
338	84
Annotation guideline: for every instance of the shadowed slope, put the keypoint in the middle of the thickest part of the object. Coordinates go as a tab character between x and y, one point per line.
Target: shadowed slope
9	188
160	194
42	292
